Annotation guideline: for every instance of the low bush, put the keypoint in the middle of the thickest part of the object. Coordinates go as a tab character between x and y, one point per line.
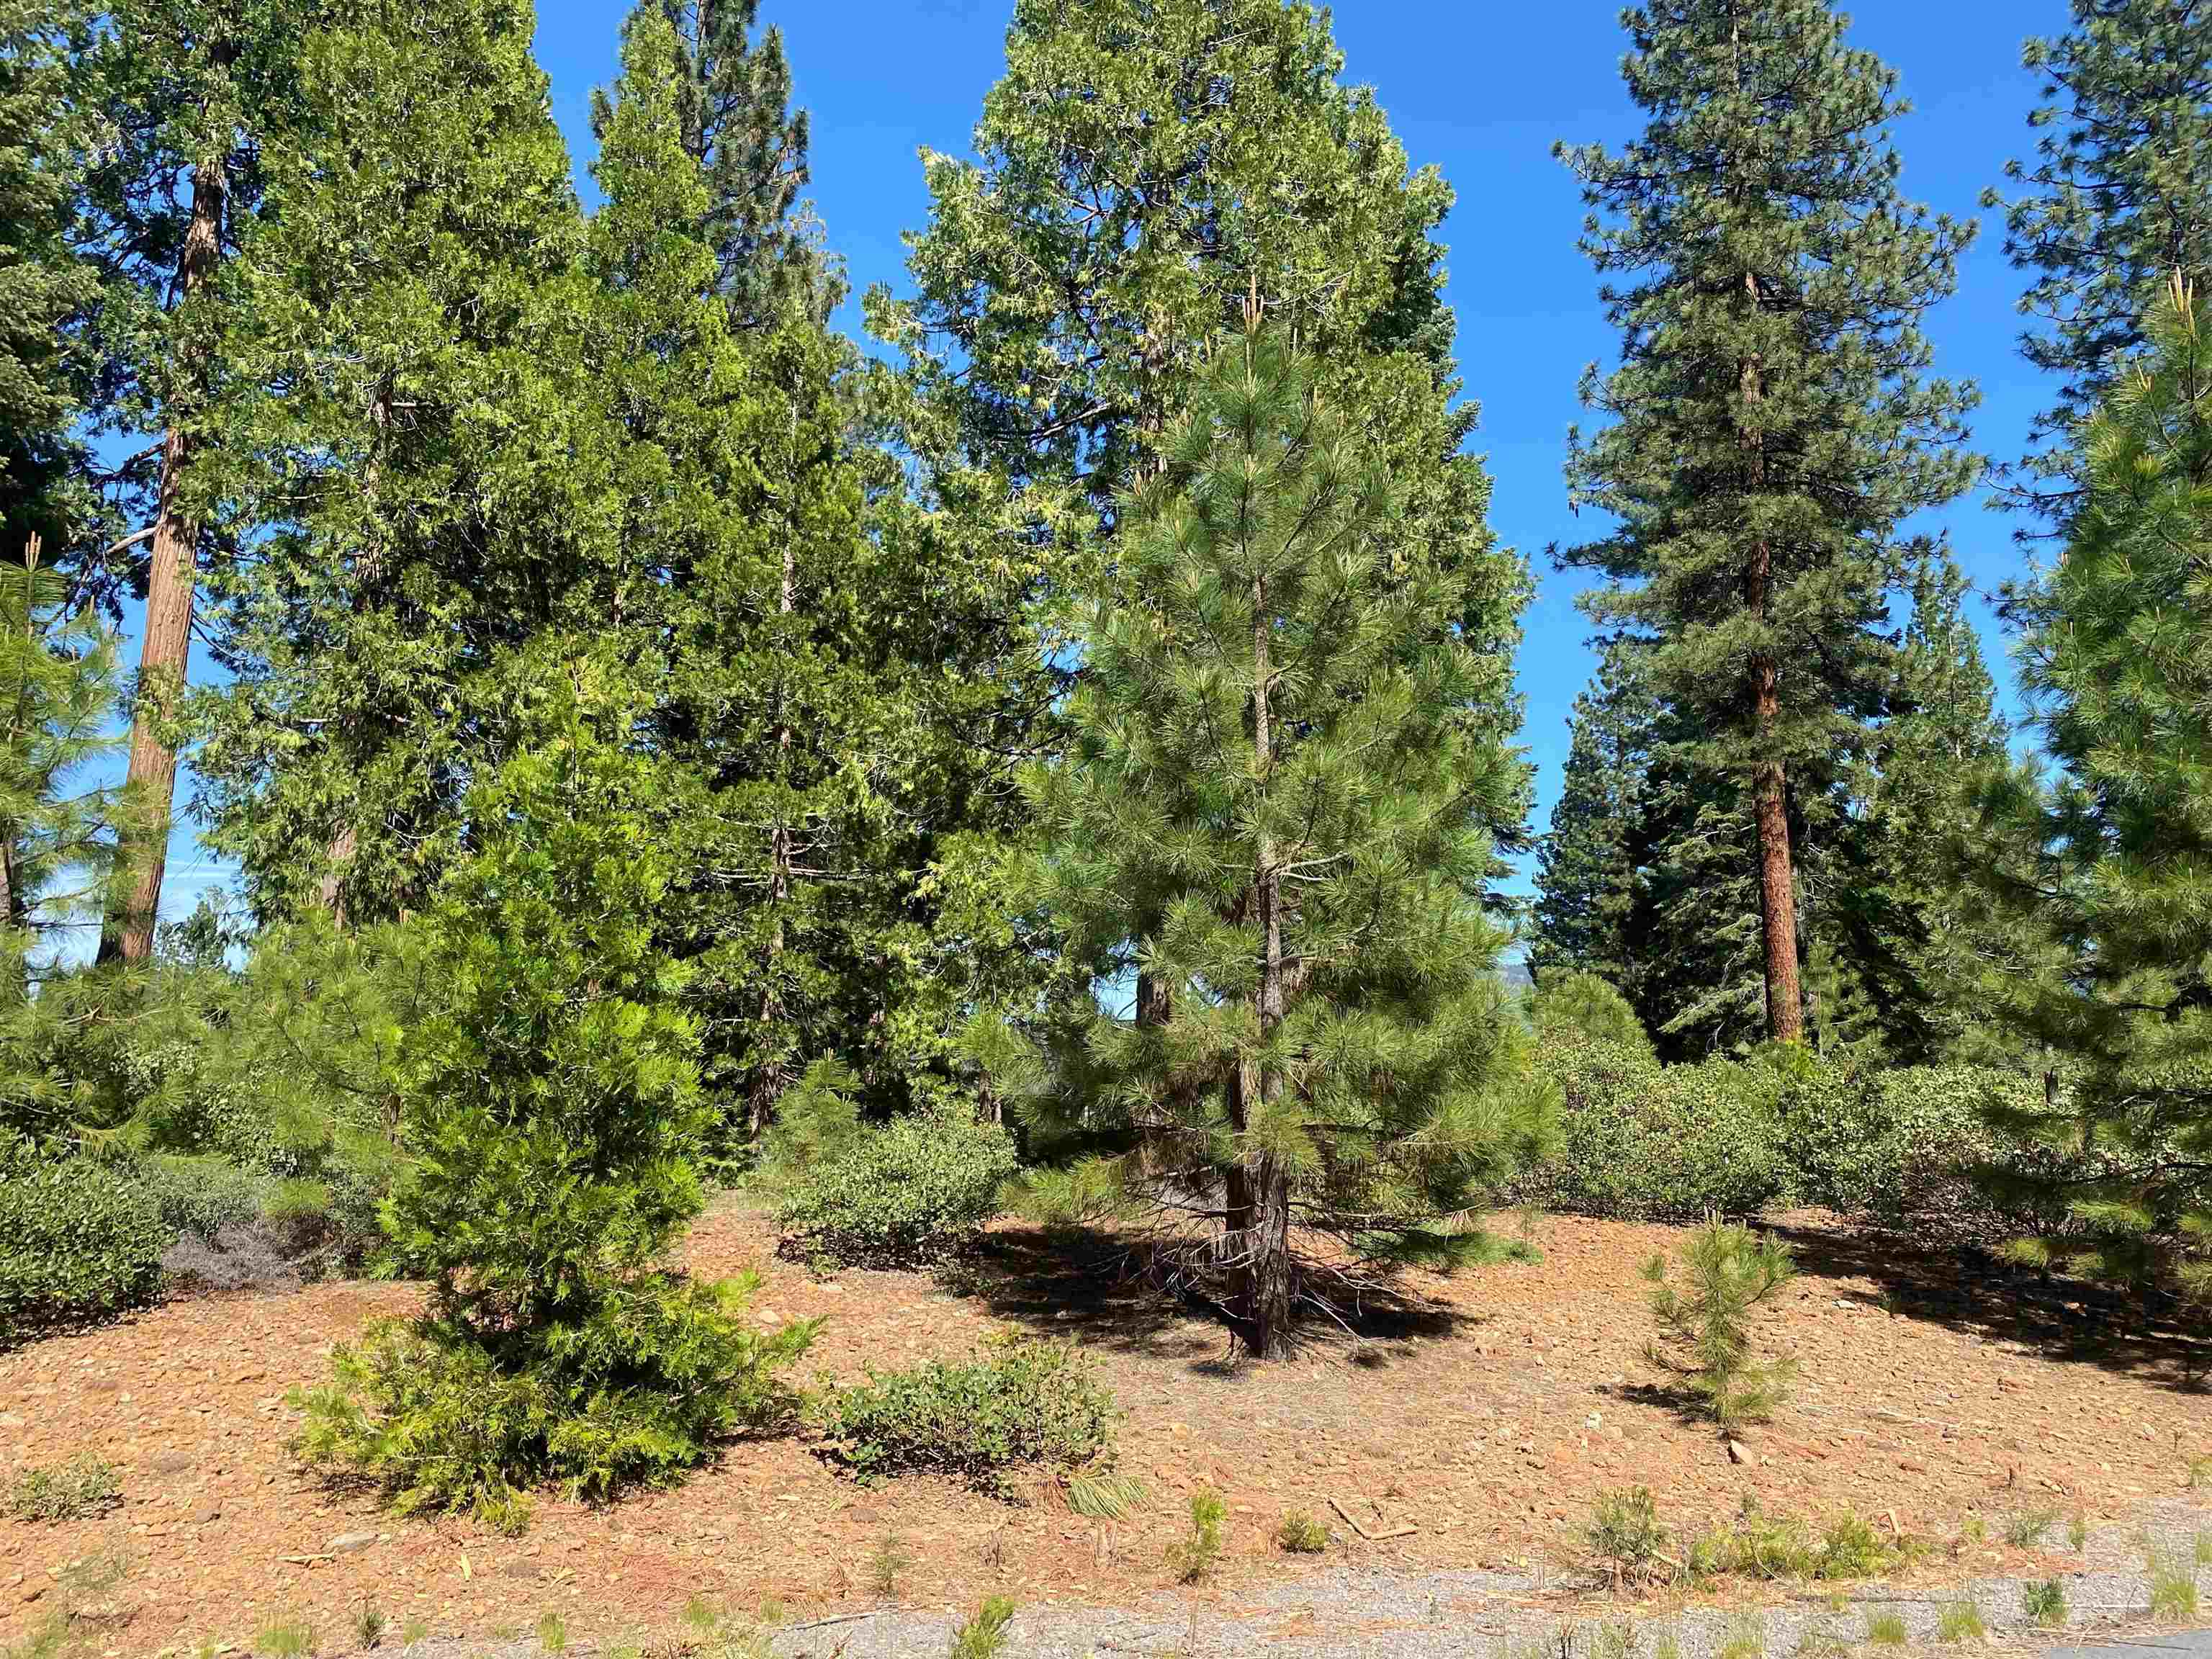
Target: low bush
1021	1402
915	1190
1626	1537
84	1486
1301	1534
2045	1604
1650	1142
1580	1008
202	1196
984	1636
80	1238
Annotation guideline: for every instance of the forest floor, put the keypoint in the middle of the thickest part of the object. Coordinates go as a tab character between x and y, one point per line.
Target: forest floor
1938	1395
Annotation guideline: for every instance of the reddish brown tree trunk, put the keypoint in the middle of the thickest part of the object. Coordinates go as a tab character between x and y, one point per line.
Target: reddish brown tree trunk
151	780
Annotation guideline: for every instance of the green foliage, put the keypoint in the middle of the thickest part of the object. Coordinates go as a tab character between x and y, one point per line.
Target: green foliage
2118	196
202	1196
1193	1558
1276	777
285	1639
1703	1337
1886	1629
85	1486
1020	1402
1625	1535
2045	1604
984	1636
1587	866
80	1238
887	1563
2172	1585
1744	1637
554	1121
1960	1621
2091	906
1640	1139
1770	428
1104	1494
1570	1008
1301	1534
914	1190
369	1626
2024	1528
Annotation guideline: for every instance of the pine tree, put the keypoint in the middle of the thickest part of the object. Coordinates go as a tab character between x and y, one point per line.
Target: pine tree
2093	888
1269	751
1771	427
44	288
2118	196
397	368
1588	866
186	93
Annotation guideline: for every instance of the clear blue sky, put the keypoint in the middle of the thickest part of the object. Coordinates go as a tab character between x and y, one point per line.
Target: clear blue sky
1481	91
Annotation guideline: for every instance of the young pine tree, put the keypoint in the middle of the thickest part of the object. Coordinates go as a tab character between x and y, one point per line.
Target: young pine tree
1770	427
2118	196
1270	754
554	1123
2094	883
1587	866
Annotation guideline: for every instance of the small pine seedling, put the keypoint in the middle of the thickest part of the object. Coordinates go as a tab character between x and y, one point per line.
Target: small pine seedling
414	1631
1961	1621
368	1625
1624	1533
85	1486
1301	1534
887	1565
701	1614
1667	1645
1193	1557
1704	1336
1613	1639
2077	1532
1887	1629
553	1633
2024	1530
2045	1604
984	1636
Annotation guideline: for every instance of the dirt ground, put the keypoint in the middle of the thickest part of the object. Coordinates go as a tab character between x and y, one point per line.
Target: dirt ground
1932	1390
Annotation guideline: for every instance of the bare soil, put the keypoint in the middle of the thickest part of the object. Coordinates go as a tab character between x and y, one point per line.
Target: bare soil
1934	1392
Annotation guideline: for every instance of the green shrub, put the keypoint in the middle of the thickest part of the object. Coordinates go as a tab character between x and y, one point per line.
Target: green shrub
1703	1337
80	1238
915	1190
1887	1629
84	1486
1193	1557
1301	1534
2045	1604
984	1636
1960	1621
2172	1585
202	1195
1646	1141
1624	1533
554	1123
1021	1402
1582	1008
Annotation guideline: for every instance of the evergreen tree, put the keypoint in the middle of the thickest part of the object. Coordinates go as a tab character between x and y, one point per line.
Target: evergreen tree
185	91
1771	427
1588	867
398	436
44	290
554	1124
2119	195
2093	887
1269	752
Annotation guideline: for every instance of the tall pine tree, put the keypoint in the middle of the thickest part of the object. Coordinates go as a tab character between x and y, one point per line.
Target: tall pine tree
1270	748
2093	887
1587	866
1769	425
2118	196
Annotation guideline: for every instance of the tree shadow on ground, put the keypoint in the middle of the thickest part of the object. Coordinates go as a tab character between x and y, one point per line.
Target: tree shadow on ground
1111	1291
1966	1288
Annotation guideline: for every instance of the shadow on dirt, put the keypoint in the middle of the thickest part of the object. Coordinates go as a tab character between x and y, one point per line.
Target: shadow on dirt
1967	1289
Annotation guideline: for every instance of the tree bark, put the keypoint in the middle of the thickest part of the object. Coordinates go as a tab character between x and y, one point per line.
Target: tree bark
1777	886
151	781
1266	1289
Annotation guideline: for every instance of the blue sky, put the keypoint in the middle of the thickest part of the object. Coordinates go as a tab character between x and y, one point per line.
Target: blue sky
1481	91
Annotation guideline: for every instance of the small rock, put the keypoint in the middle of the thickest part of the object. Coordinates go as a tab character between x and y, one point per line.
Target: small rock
347	1542
1738	1452
32	1593
1594	1420
11	1420
207	1514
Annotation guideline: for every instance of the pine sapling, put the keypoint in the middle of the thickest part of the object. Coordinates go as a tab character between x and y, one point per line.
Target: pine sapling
1703	1337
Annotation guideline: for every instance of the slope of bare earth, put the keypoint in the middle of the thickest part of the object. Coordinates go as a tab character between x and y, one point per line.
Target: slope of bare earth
1938	1395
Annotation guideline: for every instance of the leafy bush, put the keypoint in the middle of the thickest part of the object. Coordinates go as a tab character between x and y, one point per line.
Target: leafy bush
554	1123
1023	1402
915	1190
1576	1008
1703	1335
79	1238
2044	1602
1646	1141
84	1486
202	1196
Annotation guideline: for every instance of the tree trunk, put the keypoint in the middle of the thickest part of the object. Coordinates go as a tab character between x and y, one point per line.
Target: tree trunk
1777	886
151	781
1265	1290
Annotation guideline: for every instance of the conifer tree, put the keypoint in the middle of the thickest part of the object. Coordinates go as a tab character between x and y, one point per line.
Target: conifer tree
1269	753
2094	886
2117	197
393	354
1771	427
1587	866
